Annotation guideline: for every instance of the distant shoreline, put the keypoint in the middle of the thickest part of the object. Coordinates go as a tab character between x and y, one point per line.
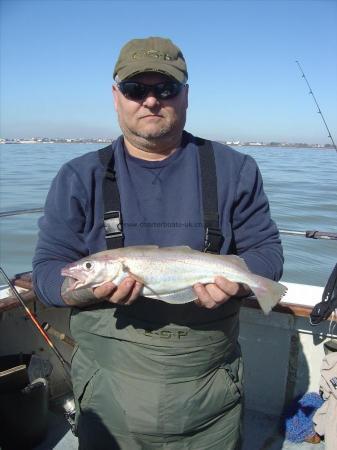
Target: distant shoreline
244	144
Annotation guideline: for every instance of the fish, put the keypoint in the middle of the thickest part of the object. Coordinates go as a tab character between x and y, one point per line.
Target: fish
169	273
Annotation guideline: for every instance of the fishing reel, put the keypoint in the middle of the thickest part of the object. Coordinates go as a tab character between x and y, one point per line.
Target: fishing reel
324	309
70	413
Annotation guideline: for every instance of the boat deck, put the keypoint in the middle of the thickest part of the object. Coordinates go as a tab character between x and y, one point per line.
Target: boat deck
260	433
286	332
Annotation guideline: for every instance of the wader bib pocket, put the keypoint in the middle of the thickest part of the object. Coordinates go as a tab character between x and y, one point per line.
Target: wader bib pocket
83	380
233	372
168	380
87	390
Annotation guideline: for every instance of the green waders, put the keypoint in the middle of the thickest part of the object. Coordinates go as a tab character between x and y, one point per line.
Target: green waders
157	384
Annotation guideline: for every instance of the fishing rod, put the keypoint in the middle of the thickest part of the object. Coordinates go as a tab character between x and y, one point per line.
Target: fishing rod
310	234
319	109
68	405
20	211
307	234
64	363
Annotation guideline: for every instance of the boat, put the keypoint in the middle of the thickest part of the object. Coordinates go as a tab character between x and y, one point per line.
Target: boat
282	354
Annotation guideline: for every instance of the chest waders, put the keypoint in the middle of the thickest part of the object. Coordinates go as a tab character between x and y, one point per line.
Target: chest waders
153	376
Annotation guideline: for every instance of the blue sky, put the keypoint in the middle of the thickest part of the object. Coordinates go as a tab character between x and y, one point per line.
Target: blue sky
57	58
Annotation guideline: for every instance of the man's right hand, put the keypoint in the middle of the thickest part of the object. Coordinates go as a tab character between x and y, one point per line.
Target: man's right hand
124	294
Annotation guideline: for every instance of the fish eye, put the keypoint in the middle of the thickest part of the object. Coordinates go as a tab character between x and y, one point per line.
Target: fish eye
88	265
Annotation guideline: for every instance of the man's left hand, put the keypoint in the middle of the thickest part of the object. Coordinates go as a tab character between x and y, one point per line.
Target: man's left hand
213	295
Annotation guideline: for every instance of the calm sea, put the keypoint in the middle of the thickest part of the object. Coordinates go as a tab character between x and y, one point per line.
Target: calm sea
301	185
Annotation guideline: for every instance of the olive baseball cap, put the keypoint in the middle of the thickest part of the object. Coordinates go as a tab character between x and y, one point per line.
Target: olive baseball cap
152	54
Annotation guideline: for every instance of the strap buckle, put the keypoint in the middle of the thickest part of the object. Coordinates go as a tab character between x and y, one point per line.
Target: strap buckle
113	224
213	240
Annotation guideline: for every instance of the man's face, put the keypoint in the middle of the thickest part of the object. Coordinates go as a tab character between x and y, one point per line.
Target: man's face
151	119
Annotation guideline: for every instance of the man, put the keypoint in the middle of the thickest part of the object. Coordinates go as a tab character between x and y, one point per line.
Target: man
146	374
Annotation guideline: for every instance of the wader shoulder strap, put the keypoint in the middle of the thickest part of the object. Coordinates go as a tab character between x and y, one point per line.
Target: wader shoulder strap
213	236
112	205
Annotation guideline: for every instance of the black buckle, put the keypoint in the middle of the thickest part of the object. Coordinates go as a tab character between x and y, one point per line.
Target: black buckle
113	224
321	311
327	306
213	240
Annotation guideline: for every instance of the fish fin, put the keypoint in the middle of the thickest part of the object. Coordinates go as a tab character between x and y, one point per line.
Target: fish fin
123	252
268	293
179	297
139	247
137	278
180	248
126	269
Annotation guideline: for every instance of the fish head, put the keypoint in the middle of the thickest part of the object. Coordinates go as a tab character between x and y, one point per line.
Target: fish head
90	272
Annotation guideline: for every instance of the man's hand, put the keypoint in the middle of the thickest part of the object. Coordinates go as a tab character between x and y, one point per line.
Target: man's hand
124	294
213	295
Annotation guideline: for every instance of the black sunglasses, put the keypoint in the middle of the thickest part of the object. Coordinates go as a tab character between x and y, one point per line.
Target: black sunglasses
133	90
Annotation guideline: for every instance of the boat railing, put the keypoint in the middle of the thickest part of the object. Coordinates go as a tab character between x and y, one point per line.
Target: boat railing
310	234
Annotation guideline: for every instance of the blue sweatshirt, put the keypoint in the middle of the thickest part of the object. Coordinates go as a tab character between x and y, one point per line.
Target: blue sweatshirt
161	203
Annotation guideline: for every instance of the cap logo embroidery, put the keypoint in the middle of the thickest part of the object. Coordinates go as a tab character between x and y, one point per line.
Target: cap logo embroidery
152	54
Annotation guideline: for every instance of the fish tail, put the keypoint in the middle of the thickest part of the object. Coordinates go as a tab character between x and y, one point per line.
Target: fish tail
267	292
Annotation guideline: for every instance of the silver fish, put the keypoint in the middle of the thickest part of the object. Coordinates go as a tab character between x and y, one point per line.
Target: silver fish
169	273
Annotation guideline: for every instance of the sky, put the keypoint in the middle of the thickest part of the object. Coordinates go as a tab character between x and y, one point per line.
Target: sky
57	58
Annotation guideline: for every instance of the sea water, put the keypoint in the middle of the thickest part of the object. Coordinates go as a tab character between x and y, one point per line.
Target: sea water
301	184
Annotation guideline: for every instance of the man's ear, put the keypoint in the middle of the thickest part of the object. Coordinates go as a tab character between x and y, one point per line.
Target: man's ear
186	94
115	96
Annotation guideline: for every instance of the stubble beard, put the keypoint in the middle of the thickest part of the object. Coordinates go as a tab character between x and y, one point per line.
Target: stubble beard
153	140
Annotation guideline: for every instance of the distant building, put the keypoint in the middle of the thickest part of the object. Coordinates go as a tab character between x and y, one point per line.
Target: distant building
232	142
